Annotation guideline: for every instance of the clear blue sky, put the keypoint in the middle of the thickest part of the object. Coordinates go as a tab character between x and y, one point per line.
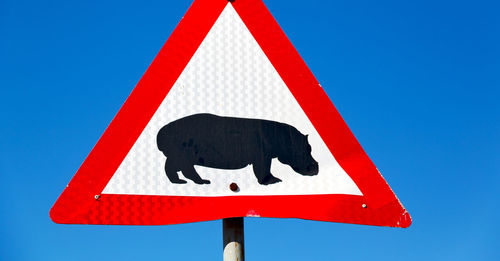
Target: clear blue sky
418	83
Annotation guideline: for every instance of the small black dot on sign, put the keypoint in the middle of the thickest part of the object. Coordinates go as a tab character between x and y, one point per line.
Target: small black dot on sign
234	187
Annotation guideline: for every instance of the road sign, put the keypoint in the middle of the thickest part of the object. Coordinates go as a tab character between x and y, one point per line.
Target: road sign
227	121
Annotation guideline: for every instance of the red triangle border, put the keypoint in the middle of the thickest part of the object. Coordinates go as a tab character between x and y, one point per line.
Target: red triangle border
82	201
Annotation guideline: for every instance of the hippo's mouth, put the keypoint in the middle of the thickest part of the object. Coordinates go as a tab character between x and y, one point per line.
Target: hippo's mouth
310	170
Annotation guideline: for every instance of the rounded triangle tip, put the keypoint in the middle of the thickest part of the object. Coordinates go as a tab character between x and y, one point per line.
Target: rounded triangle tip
53	216
405	220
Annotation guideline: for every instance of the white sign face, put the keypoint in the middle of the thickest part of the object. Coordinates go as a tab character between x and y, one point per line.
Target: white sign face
229	76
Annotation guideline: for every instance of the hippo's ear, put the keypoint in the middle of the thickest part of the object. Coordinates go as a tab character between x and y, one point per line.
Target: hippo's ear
307	136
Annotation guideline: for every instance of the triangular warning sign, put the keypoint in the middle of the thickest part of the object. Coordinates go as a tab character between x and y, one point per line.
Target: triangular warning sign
228	121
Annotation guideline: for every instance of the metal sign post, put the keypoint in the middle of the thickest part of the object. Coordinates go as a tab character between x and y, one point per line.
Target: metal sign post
233	239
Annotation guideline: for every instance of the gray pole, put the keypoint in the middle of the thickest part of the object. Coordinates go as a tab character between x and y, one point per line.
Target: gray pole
233	239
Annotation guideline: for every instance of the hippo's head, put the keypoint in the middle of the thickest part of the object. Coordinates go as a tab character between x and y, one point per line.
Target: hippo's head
298	156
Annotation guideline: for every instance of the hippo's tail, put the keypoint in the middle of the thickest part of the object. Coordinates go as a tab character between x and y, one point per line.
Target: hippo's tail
162	147
160	142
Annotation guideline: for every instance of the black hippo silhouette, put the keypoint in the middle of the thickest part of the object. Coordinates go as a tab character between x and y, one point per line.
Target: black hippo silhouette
232	143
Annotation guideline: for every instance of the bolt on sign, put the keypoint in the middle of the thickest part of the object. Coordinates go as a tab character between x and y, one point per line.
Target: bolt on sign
228	121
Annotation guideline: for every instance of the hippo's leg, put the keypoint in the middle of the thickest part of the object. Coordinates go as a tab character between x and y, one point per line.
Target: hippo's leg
171	171
190	173
262	170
